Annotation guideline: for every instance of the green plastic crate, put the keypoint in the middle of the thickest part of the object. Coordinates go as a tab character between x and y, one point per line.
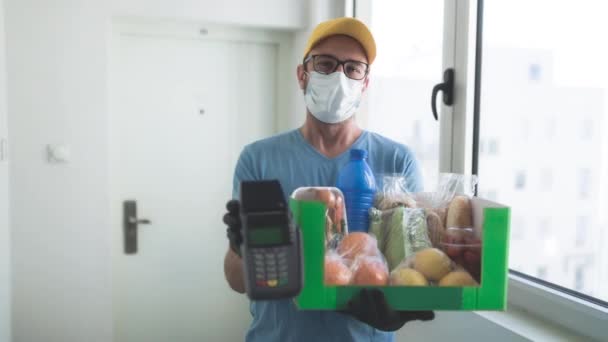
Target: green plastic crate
493	218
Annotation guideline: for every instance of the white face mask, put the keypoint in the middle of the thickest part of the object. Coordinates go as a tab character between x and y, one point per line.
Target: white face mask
332	98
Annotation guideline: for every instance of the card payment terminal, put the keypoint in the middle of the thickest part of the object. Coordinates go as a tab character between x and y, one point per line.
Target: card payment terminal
271	248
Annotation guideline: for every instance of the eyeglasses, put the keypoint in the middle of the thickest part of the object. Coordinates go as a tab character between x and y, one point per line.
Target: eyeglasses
325	64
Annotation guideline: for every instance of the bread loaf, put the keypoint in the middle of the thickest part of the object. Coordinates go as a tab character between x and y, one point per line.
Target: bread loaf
460	213
435	227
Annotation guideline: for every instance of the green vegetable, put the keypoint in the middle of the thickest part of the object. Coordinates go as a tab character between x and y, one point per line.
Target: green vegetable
397	246
376	228
416	229
400	232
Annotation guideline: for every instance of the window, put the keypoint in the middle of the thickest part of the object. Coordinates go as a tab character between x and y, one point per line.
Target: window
584	183
587	129
542	82
517	228
550	127
534	72
579	281
520	180
527	98
416	130
489	147
493	147
549	246
541	272
544	227
525	128
488	194
582	230
546	179
404	73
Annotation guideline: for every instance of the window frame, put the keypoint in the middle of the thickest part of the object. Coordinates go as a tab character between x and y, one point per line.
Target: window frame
459	153
583	314
580	313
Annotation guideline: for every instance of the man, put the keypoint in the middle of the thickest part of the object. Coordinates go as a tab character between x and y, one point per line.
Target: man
333	76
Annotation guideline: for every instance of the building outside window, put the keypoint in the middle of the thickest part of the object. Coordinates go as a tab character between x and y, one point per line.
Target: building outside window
520	180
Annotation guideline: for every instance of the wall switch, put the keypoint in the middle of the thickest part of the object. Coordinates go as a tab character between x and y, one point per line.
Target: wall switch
58	153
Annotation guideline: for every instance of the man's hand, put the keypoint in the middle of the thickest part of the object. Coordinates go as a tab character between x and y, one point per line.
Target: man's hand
233	265
369	306
233	220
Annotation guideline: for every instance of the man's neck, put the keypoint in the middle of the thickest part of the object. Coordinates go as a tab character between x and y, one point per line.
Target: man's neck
330	140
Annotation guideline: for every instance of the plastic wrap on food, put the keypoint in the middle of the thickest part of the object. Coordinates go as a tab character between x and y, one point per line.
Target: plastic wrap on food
397	244
357	244
401	232
335	216
357	261
460	212
463	246
430	267
416	228
370	271
432	263
406	275
394	193
446	204
375	227
435	227
448	185
335	271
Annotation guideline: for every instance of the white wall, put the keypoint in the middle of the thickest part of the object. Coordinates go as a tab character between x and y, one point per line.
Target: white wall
316	12
5	308
282	14
57	94
56	62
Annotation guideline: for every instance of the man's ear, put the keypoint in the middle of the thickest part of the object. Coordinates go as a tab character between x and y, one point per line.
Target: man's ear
302	76
365	84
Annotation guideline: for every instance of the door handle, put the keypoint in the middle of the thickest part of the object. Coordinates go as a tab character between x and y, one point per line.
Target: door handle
447	87
130	223
134	220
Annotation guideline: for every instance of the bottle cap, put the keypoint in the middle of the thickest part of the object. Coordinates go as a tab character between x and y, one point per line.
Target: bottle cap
358	154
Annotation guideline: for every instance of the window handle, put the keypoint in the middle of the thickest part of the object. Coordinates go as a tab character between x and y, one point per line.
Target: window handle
447	88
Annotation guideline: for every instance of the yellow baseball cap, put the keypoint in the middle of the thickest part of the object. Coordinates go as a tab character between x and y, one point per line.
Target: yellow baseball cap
347	26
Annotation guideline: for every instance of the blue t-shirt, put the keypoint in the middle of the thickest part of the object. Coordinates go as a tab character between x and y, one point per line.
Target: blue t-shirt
289	158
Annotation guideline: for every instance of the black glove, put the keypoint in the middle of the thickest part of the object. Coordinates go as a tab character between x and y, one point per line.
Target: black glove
369	306
233	220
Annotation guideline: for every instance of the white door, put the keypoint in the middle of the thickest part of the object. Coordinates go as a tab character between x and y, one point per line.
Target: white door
181	111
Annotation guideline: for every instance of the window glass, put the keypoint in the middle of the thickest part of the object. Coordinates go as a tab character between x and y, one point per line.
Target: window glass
544	99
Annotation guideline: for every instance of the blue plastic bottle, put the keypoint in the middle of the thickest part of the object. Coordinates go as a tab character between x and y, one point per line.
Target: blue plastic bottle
357	183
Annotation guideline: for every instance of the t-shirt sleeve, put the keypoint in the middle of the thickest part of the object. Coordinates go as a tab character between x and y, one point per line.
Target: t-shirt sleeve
244	171
413	173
